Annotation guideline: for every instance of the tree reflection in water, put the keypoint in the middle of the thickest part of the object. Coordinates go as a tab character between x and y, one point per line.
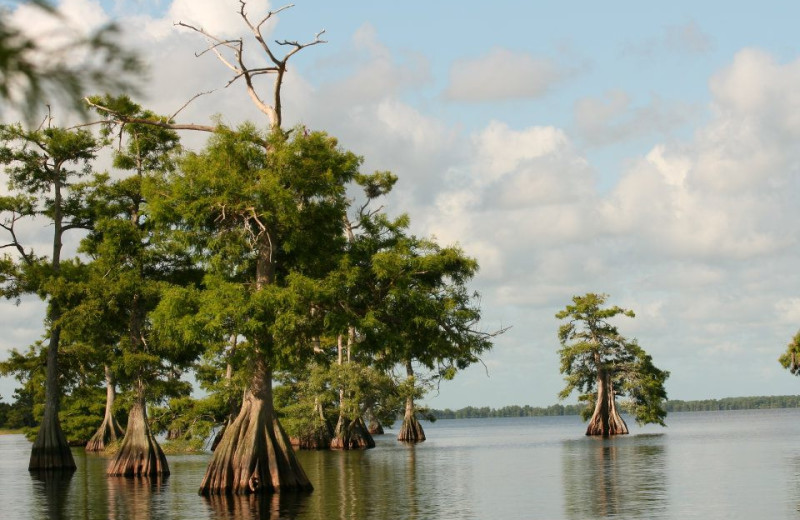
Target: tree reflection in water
266	506
618	476
54	487
134	497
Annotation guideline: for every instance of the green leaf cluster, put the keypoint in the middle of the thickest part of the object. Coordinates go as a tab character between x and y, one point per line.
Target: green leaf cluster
592	345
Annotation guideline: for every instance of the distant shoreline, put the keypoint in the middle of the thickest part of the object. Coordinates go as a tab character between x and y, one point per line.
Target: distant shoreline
705	405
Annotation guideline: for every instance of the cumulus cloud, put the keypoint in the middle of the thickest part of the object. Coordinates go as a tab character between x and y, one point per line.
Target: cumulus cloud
219	18
726	192
501	74
614	118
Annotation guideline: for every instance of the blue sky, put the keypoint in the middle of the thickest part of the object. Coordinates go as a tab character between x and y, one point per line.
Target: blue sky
645	151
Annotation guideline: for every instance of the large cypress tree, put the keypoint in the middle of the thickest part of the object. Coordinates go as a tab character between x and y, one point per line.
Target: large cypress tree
41	166
601	364
264	212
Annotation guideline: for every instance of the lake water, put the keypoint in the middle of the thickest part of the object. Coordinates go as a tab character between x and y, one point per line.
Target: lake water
710	465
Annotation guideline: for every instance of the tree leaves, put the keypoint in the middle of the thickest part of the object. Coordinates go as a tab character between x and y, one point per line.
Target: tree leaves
590	344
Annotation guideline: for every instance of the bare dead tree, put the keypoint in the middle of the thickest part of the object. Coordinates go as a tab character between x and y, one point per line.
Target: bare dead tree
231	53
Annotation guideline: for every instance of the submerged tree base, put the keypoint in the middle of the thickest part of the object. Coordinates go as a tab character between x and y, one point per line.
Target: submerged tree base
411	430
319	438
139	455
50	450
254	455
351	435
613	425
375	428
109	432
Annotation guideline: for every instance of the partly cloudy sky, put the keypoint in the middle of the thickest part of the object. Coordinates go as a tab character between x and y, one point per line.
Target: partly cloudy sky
645	151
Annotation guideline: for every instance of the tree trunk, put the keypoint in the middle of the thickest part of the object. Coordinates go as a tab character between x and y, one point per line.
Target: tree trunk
254	455
140	454
50	450
411	429
351	435
606	420
375	427
321	436
109	430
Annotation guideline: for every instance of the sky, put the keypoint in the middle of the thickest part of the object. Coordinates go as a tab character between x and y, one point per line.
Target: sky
645	151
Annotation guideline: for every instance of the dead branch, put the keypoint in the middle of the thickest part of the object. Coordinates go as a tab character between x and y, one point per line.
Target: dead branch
8	225
172	117
122	118
241	70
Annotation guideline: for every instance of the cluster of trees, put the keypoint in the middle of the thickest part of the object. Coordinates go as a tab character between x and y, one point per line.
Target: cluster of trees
262	258
672	405
485	412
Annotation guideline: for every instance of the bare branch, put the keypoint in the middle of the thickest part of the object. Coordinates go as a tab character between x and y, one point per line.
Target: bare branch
153	122
241	70
8	225
172	117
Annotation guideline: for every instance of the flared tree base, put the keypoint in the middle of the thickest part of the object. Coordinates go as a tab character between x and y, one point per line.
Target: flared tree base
319	438
375	428
351	435
411	430
109	432
50	451
139	455
254	456
606	427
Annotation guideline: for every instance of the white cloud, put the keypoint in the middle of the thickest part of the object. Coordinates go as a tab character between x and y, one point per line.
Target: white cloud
219	18
501	74
615	117
788	310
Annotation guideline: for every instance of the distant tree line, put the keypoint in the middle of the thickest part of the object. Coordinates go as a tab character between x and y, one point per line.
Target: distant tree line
705	405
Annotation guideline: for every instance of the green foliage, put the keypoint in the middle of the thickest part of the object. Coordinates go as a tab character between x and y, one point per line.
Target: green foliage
591	345
30	74
791	358
187	419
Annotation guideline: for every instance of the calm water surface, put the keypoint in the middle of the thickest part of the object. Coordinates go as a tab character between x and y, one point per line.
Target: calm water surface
716	465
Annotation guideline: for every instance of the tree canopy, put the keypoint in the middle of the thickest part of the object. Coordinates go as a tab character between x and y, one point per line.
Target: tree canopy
600	363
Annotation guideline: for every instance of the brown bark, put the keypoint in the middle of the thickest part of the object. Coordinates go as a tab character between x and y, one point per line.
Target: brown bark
411	430
351	435
50	450
254	455
606	420
375	427
140	454
109	430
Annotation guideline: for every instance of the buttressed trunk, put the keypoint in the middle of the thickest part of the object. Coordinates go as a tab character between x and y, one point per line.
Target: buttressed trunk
139	455
606	420
50	450
411	430
349	434
110	430
321	434
255	454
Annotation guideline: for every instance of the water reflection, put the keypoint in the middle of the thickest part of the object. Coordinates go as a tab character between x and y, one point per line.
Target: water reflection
277	506
53	489
369	484
622	476
134	497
